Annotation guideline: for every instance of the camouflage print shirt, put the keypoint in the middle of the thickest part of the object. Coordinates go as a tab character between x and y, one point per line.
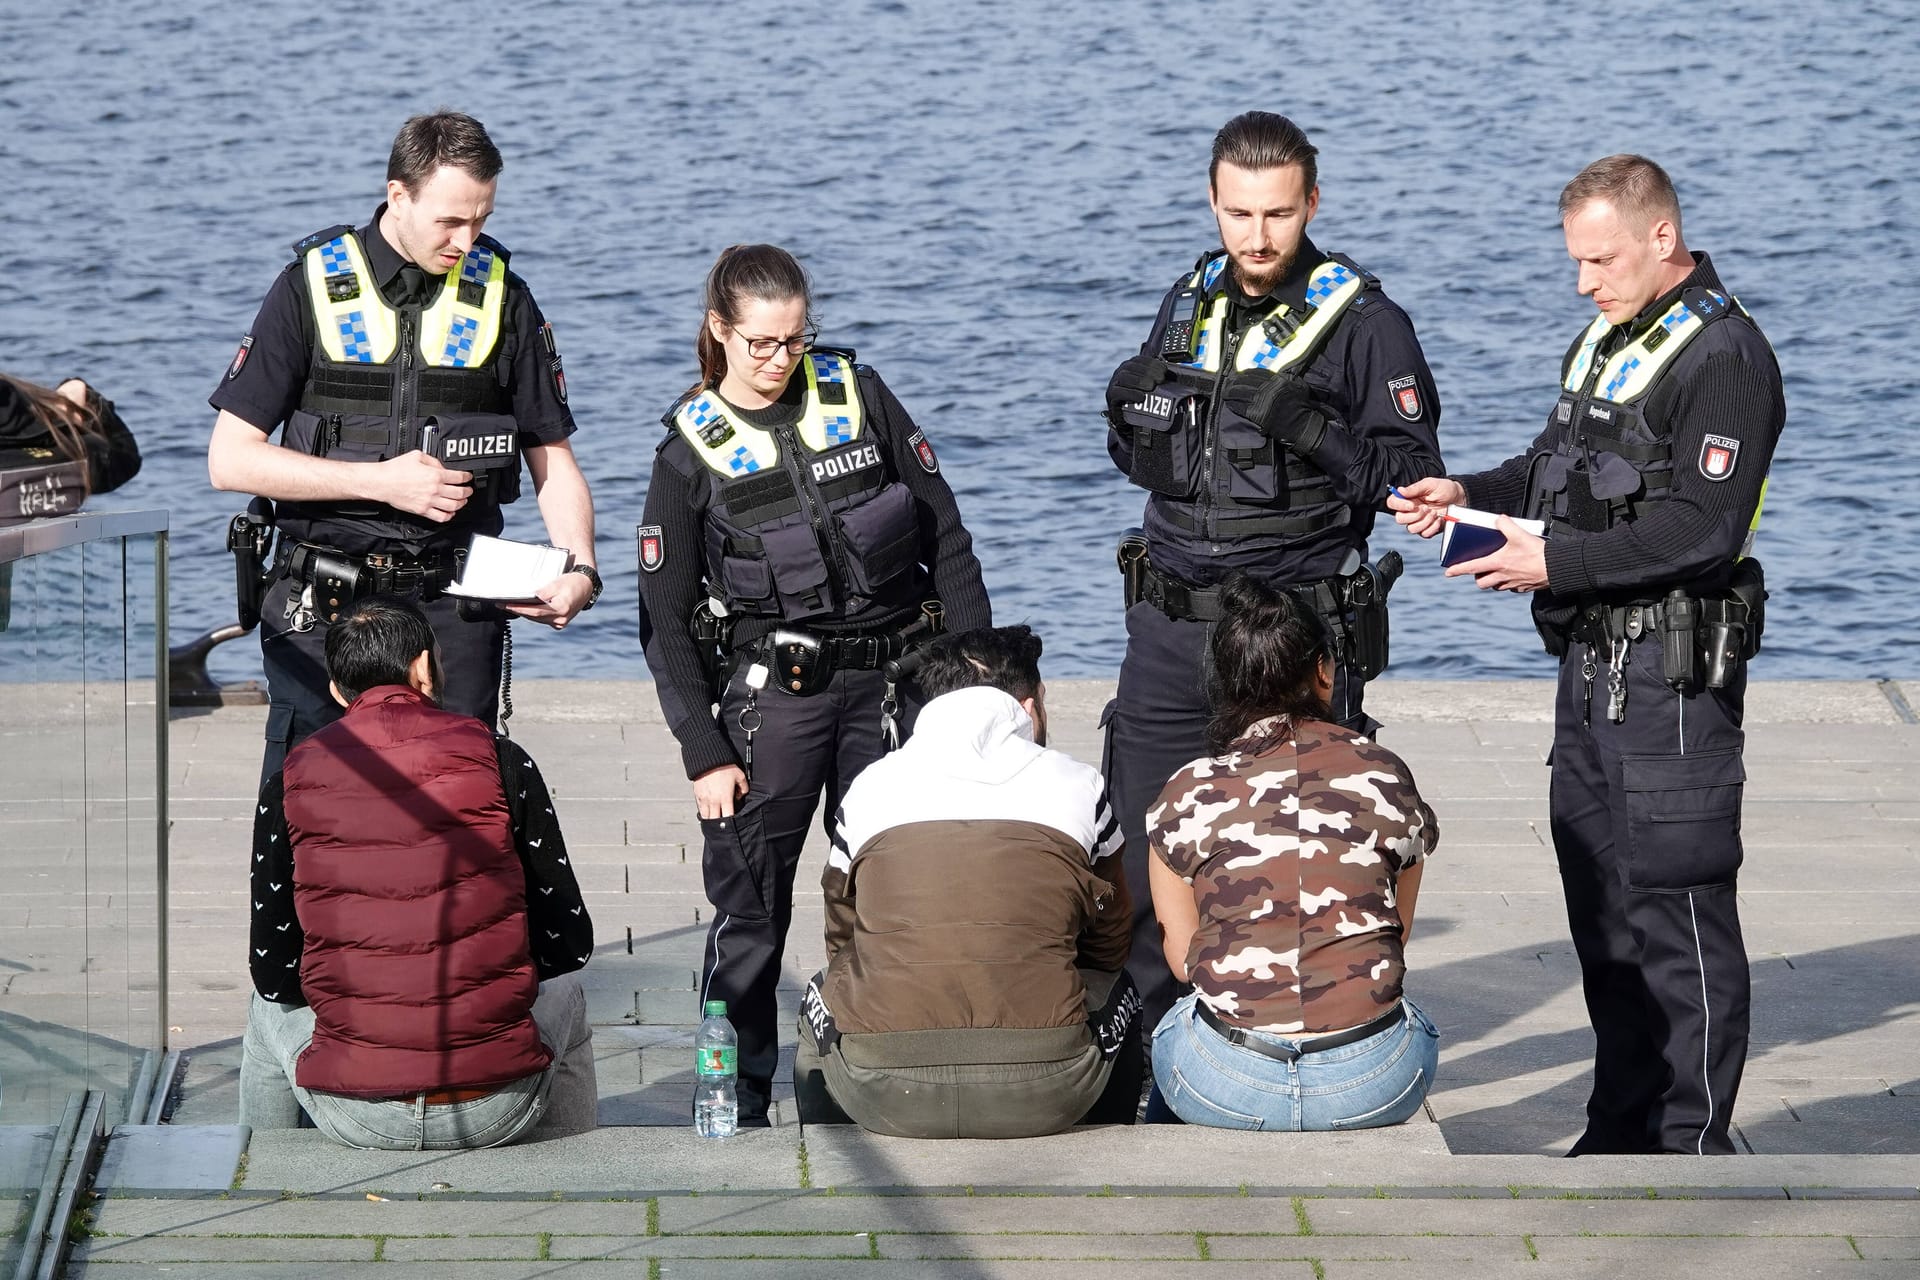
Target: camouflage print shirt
1293	841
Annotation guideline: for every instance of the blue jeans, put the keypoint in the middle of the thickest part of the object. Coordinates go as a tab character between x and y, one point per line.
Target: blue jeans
1380	1080
561	1099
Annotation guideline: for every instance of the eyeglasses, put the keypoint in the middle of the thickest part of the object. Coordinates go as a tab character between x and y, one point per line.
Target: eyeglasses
763	348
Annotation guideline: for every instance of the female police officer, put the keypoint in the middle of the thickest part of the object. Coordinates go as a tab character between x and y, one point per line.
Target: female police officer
797	537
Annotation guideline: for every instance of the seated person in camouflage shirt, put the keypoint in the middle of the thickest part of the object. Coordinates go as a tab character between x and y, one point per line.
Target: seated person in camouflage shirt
1283	876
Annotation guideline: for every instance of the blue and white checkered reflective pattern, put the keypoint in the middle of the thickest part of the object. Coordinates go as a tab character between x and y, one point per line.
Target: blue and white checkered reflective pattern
1326	282
1676	317
742	462
827	369
1201	342
702	410
1267	355
334	258
1619	379
839	429
1213	271
353	337
476	265
460	336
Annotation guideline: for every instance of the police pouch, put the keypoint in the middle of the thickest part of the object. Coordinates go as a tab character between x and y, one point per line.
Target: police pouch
1704	641
1165	428
797	661
486	444
249	535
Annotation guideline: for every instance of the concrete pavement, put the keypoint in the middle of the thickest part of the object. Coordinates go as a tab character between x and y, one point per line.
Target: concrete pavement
1830	1106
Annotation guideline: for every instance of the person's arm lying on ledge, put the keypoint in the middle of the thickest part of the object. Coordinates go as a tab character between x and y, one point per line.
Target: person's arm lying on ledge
558	926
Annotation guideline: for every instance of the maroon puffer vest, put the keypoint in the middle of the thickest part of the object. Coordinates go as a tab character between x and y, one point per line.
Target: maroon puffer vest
413	903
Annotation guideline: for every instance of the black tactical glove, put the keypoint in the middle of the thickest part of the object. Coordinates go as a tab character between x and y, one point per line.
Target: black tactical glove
1280	404
1132	381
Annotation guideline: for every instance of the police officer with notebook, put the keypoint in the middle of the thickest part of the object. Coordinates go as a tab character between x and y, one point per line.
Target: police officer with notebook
1650	476
413	372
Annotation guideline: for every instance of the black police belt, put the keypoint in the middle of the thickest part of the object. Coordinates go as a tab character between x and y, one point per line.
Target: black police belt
1184	602
369	574
1316	1044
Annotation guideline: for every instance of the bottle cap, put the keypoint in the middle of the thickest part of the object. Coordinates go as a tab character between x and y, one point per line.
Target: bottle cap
716	1008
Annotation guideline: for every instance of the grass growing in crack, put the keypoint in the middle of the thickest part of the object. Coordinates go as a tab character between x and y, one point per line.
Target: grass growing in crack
653	1217
544	1250
653	1269
239	1172
1319	1268
1200	1244
873	1245
806	1170
1300	1216
1532	1252
1855	1246
379	1248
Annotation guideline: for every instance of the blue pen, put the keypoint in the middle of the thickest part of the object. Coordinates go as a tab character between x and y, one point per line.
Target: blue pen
1394	489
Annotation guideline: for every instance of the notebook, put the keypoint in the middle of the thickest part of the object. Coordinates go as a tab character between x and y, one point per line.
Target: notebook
514	572
1470	535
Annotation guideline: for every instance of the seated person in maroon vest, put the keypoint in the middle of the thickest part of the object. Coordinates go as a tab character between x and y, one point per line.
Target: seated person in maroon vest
416	930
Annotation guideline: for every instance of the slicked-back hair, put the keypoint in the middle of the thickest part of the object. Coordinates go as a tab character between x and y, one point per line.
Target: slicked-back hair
424	143
1255	140
1266	651
375	643
743	273
1004	658
1638	189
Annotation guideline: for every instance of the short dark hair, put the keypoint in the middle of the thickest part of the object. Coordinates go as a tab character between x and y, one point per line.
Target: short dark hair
1638	189
424	143
375	642
1004	658
1262	140
1266	649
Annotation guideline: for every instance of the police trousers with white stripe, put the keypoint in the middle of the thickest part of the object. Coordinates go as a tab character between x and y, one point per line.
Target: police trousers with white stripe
1646	826
803	748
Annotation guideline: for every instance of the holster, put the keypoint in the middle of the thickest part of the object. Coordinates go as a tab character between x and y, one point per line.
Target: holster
1365	596
1131	555
249	535
712	634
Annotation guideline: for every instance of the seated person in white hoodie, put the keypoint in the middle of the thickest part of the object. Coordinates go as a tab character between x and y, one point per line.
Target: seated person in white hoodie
977	923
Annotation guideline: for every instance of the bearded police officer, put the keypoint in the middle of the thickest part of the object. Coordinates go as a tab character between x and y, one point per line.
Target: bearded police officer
413	371
1650	475
1278	396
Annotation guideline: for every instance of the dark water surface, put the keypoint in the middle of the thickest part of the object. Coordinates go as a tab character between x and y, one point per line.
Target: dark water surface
991	198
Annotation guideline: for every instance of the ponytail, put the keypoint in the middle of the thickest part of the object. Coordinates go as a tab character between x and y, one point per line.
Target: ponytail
1265	654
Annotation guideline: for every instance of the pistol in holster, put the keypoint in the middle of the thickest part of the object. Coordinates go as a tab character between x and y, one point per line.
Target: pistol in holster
1706	639
1131	555
1365	594
249	537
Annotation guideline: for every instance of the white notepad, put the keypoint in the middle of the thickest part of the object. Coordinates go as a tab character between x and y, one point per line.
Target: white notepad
501	569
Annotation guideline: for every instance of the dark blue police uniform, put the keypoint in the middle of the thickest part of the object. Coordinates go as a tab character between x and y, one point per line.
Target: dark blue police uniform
1650	474
481	414
1292	506
822	516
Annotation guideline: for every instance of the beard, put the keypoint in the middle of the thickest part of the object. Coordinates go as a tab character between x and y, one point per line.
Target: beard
1259	281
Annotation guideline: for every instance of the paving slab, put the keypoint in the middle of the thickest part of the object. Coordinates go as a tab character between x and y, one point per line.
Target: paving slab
1130	1156
606	1161
160	1159
980	1213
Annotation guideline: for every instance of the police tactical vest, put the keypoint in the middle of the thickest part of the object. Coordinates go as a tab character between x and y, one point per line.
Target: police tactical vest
1608	462
1221	475
804	521
383	381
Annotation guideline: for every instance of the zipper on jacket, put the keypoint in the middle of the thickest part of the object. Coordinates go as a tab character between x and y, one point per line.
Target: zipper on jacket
1210	437
408	391
790	456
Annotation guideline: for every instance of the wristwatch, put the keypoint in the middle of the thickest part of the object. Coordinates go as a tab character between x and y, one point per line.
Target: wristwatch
592	575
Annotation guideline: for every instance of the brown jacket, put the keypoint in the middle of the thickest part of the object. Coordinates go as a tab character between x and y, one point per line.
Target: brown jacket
973	875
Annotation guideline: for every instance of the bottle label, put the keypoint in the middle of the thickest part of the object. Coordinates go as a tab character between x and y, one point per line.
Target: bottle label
716	1060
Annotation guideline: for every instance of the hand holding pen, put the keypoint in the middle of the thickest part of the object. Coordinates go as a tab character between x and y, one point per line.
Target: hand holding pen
1421	505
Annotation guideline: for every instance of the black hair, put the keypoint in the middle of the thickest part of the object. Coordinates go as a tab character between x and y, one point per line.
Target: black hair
375	642
1256	140
1004	658
742	271
1266	651
424	143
